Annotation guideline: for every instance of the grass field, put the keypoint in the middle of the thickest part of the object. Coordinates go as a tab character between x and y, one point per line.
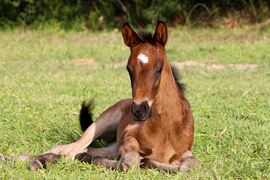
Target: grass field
45	75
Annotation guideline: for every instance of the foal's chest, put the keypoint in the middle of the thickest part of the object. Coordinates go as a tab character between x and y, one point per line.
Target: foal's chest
156	141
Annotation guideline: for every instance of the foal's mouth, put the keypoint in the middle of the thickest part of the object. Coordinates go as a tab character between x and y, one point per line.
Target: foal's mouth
142	119
140	112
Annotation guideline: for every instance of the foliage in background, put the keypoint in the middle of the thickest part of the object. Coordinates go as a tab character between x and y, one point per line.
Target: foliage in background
99	14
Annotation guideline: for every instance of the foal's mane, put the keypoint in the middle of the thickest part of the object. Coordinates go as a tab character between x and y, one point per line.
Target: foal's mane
147	37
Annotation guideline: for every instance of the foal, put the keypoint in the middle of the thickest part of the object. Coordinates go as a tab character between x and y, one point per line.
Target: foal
154	129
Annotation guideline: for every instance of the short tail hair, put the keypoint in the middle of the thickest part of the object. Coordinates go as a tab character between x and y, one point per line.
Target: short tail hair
86	114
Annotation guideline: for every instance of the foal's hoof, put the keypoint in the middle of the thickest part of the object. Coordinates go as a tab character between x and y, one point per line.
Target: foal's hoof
188	164
40	161
36	165
84	157
123	167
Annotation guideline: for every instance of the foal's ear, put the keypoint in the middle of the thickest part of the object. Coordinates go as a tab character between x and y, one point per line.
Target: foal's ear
130	37
161	34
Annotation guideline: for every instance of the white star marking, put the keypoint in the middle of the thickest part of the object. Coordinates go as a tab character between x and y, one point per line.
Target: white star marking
143	58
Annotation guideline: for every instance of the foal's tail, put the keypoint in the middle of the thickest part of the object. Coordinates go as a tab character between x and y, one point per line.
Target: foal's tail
86	119
86	115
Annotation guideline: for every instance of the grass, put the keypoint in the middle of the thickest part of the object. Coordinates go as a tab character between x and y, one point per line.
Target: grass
42	87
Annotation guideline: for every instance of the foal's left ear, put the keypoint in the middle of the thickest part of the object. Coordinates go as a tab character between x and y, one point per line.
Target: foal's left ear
130	37
161	34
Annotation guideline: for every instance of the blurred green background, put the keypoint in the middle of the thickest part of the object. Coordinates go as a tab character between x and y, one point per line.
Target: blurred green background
100	14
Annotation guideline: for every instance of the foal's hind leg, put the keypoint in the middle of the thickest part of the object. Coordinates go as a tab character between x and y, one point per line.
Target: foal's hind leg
38	161
98	160
110	152
106	122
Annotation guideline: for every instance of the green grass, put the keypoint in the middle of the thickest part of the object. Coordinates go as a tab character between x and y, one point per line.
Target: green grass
42	87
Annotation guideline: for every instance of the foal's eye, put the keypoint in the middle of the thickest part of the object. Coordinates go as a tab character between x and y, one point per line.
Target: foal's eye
129	71
159	68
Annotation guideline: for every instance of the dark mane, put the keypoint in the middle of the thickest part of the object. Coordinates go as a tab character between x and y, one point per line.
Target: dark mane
177	78
147	37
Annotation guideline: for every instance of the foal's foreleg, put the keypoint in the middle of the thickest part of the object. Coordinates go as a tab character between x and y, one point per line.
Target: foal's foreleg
129	151
187	162
151	164
185	165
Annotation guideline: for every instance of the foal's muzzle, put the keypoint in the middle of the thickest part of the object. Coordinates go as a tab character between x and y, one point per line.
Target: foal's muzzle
141	111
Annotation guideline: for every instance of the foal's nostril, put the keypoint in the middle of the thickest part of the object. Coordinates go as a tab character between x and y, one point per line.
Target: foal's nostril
144	106
133	108
140	111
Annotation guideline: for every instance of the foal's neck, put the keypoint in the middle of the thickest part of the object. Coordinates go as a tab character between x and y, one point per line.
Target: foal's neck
168	100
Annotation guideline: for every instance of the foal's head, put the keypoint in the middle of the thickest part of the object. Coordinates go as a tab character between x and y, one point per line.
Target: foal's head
145	66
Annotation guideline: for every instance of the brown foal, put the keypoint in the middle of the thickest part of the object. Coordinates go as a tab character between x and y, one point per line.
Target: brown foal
154	129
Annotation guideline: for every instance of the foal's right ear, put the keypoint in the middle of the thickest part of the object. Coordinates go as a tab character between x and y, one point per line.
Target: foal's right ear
130	37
